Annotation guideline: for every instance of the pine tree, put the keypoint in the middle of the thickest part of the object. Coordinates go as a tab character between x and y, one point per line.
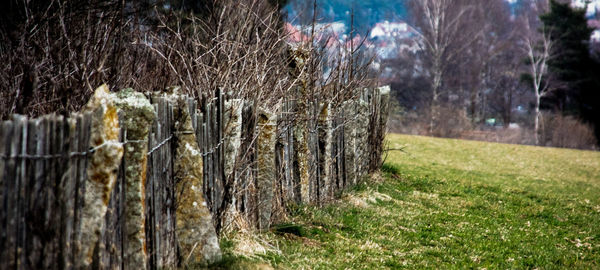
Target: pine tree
578	93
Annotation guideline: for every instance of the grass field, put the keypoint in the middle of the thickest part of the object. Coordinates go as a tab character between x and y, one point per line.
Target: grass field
447	204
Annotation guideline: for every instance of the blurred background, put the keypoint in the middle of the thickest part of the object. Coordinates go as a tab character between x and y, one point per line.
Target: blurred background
513	71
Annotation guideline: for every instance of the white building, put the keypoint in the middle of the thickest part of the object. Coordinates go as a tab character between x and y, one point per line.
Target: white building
592	8
596	36
390	29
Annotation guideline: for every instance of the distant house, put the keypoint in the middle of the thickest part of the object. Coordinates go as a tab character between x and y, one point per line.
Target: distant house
593	6
332	33
596	36
295	35
391	30
391	39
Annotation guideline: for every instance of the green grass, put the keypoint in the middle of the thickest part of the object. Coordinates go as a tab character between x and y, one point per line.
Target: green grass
452	204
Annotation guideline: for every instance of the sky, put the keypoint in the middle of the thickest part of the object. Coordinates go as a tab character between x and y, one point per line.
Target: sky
369	12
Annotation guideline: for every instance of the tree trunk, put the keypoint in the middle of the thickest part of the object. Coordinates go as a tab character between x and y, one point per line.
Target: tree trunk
437	83
537	119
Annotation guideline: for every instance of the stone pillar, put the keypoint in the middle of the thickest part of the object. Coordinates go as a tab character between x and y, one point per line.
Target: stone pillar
384	105
361	139
325	149
136	117
301	169
356	134
195	232
232	133
350	114
267	127
102	171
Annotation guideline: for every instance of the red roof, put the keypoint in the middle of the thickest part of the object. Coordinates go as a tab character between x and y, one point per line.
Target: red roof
295	35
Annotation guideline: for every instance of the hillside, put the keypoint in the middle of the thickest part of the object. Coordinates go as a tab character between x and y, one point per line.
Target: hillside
448	204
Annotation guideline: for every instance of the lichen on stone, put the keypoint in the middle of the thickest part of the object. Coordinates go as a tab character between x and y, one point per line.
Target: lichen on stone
301	155
136	117
325	123
266	166
232	133
102	169
197	239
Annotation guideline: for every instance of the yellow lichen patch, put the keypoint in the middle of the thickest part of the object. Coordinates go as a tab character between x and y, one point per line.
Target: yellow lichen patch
111	123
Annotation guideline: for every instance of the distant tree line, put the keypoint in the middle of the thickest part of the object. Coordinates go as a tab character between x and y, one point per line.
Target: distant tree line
478	60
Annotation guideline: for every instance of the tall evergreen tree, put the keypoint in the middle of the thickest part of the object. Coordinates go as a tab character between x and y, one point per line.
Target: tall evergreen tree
578	92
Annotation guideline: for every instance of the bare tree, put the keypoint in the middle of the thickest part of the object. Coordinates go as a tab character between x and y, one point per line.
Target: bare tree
538	46
446	32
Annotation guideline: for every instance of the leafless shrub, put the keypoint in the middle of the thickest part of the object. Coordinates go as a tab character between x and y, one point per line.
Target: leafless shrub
240	48
502	135
408	122
55	52
555	130
451	122
566	132
58	51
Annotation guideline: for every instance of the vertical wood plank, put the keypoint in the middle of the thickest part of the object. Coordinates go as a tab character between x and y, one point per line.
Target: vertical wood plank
221	152
43	204
20	180
200	134
50	245
163	184
69	191
36	201
214	137
62	183
3	141
29	191
162	192
11	226
170	247
22	195
290	153
209	164
149	222
156	184
13	211
205	159
83	134
5	136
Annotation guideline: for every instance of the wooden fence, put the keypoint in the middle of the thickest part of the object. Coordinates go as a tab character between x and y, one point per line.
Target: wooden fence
253	162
